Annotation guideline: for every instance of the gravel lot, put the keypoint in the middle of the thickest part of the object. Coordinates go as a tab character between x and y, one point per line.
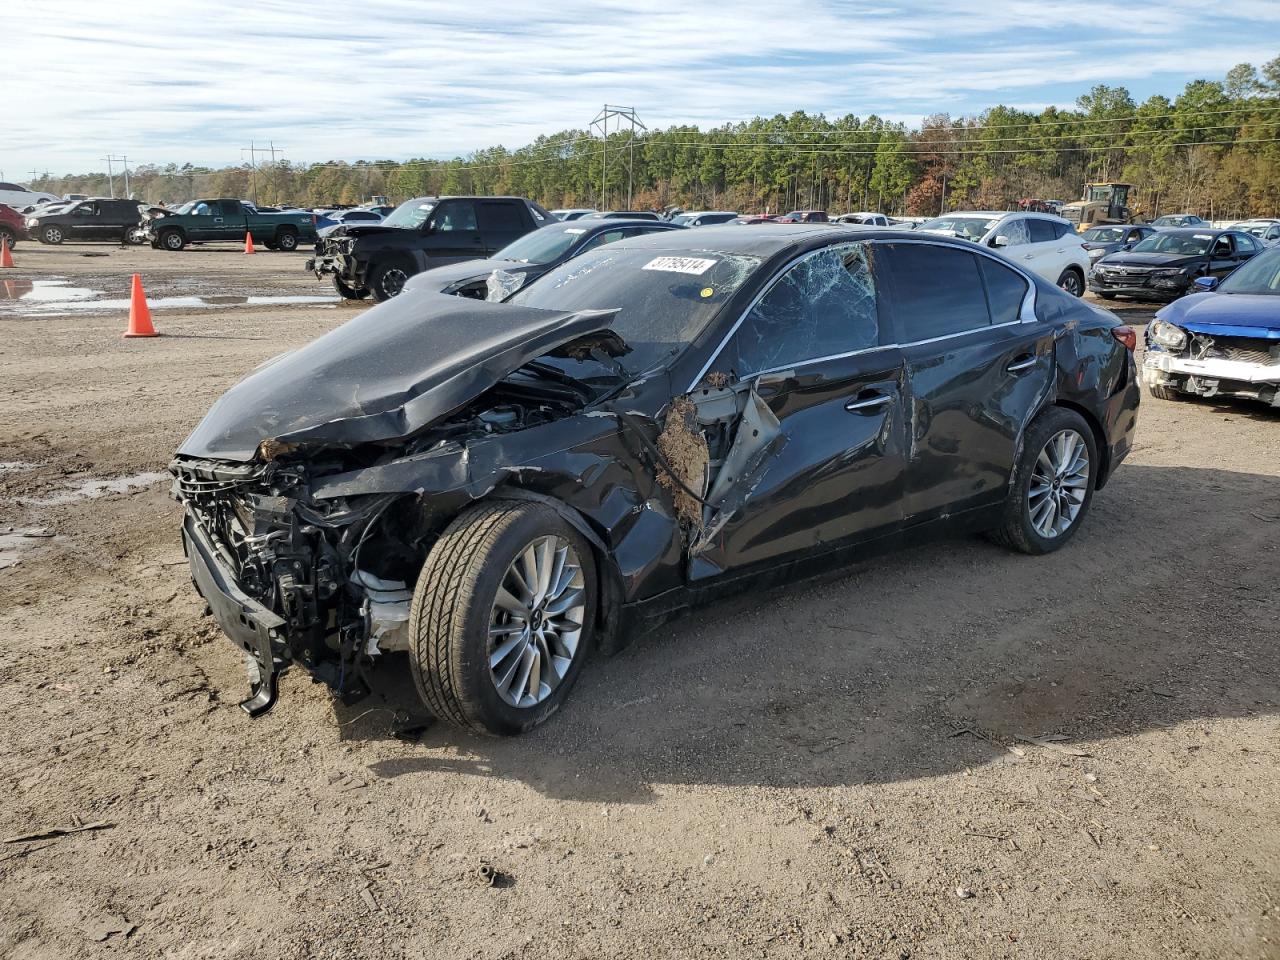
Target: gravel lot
954	752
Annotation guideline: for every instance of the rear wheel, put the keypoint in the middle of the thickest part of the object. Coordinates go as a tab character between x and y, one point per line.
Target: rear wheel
51	235
502	617
1072	281
1052	485
1106	296
286	240
386	281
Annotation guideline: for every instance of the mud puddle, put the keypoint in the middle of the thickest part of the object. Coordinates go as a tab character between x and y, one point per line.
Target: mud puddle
94	488
42	298
15	541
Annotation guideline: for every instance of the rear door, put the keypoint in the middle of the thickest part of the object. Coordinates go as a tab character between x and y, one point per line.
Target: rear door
812	349
978	364
1223	257
453	234
501	222
1048	249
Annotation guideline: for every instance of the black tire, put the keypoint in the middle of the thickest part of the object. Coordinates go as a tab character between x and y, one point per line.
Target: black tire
286	239
172	240
1106	296
449	622
1072	281
1165	393
8	236
51	234
1016	531
271	245
348	292
388	279
134	237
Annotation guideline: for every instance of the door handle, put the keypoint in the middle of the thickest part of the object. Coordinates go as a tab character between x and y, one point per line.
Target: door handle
1019	365
1028	256
868	404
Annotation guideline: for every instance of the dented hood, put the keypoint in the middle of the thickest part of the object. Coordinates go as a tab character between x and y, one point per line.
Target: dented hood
388	373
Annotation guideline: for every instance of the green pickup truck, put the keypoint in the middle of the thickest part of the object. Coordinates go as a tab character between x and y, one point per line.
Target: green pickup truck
209	221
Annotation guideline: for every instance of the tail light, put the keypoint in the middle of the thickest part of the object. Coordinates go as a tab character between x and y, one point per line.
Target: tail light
1126	335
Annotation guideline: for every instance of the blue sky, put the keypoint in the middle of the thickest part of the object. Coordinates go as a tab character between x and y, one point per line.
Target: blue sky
177	80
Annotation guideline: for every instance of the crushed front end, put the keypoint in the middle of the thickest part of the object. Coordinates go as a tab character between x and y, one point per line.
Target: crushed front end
1207	364
285	576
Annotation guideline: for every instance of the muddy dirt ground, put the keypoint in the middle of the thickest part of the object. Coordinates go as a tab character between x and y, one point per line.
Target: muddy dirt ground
843	768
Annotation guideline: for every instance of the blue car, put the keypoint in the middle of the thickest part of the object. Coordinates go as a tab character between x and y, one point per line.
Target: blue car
1223	340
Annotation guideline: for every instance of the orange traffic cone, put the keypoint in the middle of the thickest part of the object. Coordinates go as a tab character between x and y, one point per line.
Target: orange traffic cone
139	313
248	242
6	258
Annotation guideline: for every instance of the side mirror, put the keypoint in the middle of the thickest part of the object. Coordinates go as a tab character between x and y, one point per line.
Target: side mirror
1000	241
1127	246
1205	284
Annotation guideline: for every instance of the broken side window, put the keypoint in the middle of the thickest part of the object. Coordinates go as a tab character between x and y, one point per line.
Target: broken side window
823	306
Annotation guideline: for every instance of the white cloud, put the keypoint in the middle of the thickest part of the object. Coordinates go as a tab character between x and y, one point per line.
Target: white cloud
182	80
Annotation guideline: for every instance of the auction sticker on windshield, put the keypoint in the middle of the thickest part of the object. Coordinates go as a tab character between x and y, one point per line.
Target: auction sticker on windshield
693	265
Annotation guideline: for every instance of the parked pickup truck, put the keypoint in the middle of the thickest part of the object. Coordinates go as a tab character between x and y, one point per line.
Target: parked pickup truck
205	221
419	234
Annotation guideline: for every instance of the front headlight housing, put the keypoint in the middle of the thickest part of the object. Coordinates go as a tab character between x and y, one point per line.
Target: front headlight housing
1170	272
1166	335
1097	252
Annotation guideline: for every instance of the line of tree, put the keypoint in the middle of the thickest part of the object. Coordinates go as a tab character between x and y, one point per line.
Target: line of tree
1213	150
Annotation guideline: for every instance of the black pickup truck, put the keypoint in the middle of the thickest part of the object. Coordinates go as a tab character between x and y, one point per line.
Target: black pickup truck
421	233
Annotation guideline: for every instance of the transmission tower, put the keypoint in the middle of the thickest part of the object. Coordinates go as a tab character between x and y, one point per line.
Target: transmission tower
621	116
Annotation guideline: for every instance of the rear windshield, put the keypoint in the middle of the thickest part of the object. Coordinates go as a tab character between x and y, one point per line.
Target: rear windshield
1185	244
1104	234
541	246
970	228
664	298
1259	275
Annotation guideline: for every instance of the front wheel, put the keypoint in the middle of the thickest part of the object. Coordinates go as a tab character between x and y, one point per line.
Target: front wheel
348	292
51	235
1052	484
387	281
172	240
8	236
1165	393
1072	282
502	617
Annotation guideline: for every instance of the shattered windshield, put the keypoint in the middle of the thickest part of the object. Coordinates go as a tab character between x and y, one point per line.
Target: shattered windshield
1261	275
664	298
411	214
542	245
970	228
1187	245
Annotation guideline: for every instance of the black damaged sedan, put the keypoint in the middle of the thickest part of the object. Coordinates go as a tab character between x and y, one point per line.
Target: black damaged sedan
500	489
1165	265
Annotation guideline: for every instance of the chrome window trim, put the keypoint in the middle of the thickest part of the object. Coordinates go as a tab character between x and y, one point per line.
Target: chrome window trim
1026	313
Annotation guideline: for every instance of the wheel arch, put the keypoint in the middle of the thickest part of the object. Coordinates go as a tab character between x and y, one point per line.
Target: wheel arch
1099	437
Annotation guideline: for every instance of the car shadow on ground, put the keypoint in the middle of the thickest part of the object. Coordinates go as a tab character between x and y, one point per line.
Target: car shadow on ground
921	663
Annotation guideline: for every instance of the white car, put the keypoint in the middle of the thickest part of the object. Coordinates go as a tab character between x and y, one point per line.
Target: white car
1038	242
1265	229
572	213
866	218
19	197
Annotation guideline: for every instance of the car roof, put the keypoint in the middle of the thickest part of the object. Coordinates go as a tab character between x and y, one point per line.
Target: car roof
1195	231
727	238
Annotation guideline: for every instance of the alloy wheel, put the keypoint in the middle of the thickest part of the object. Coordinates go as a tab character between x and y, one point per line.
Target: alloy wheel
1071	283
392	282
536	621
1059	483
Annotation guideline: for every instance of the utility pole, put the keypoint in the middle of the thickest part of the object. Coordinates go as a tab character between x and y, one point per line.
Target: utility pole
601	124
111	180
254	150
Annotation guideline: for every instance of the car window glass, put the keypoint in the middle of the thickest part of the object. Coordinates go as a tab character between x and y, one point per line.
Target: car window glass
1246	244
231	208
1222	247
600	239
1015	231
1041	230
936	290
500	216
1006	289
202	210
1061	230
455	215
823	306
